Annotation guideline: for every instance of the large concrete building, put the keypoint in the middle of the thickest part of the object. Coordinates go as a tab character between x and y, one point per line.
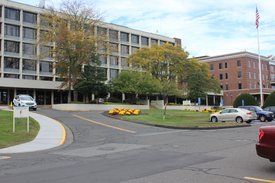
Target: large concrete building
239	73
23	71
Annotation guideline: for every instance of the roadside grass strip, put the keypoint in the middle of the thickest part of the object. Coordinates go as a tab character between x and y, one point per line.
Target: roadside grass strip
259	180
102	124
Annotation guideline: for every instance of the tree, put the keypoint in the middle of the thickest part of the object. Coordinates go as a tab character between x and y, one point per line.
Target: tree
71	32
92	81
135	82
199	81
247	98
165	63
270	101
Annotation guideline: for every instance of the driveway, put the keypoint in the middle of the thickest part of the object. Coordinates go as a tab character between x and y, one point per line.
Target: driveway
107	150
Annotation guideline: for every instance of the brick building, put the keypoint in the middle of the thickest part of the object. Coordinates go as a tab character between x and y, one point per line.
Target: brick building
238	73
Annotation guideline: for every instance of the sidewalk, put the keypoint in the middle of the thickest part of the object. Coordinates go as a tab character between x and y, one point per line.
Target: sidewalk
50	135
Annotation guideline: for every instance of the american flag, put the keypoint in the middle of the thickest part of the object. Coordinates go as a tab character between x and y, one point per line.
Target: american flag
257	18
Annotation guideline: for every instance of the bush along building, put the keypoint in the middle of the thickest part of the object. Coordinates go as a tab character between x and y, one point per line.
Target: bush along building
239	73
23	71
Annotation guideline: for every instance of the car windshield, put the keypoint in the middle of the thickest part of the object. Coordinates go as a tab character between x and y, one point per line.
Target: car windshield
258	108
26	98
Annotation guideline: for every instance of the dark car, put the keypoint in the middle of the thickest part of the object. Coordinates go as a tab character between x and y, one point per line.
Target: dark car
261	114
271	109
266	146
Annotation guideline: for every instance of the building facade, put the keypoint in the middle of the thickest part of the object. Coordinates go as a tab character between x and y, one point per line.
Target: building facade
23	71
239	73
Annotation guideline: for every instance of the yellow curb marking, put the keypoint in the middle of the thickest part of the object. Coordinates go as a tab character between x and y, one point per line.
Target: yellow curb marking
102	124
4	157
63	138
259	180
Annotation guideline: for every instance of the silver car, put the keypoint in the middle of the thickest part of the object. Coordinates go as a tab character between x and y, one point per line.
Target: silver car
234	114
25	100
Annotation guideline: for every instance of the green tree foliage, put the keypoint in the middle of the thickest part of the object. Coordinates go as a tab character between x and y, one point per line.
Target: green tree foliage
248	100
270	101
199	80
135	82
165	63
92	80
71	30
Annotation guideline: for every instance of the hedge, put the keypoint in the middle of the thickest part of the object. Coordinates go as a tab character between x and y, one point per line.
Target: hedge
248	100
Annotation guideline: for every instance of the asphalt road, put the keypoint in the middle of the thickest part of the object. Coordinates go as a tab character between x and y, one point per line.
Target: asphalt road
104	150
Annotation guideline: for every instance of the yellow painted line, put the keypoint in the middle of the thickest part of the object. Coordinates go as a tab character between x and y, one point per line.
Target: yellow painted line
4	157
260	180
64	135
102	124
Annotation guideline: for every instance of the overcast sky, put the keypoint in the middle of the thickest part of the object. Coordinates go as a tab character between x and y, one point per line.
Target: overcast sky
206	27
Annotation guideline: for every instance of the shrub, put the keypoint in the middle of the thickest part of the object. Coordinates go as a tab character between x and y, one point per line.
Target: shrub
270	101
248	100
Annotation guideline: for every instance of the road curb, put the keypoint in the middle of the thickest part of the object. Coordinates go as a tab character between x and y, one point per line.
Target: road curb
173	127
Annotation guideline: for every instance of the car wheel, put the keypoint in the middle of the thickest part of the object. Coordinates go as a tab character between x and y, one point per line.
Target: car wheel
214	119
249	121
269	120
239	119
34	109
262	118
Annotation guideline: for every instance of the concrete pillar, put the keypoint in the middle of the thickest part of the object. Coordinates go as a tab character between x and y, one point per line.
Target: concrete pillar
8	97
14	92
214	99
123	97
206	100
61	97
52	97
93	96
34	94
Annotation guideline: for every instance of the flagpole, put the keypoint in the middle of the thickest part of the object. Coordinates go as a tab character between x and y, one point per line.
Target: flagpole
260	69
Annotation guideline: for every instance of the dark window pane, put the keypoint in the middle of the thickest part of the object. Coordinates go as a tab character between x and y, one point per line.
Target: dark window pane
145	41
135	39
12	30
12	14
29	33
124	37
11	46
113	35
29	17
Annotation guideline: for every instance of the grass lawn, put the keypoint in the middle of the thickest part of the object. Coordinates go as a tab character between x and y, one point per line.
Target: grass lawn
8	138
178	118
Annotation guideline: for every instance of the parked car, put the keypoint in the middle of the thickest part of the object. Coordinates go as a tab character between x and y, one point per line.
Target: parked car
25	100
266	146
262	115
233	114
271	109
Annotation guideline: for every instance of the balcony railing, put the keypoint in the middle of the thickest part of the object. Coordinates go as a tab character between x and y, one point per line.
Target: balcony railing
11	70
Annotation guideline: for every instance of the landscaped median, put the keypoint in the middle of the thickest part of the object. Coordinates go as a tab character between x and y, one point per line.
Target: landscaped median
8	138
178	119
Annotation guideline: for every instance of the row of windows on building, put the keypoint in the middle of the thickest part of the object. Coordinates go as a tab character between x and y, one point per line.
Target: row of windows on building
239	75
14	31
127	37
12	64
240	86
14	14
239	64
27	49
31	33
